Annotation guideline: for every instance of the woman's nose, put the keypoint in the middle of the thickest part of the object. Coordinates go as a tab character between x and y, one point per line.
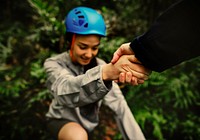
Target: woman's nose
88	53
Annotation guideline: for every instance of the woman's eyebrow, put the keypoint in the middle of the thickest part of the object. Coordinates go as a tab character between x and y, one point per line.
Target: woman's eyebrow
86	45
97	44
83	44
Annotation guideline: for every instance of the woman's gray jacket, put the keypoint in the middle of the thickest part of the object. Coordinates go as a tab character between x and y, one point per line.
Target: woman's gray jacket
78	96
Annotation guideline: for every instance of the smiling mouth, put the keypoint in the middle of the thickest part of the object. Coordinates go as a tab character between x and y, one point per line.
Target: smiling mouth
85	60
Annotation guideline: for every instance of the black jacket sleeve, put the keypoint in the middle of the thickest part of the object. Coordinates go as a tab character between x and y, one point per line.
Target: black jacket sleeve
173	38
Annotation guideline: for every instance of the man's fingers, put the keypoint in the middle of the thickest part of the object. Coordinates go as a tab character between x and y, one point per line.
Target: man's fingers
115	58
135	73
117	55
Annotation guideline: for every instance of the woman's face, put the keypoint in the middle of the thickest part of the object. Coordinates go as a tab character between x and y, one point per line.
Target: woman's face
85	48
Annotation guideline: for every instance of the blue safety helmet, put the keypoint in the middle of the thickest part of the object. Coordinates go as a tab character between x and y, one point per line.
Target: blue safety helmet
84	20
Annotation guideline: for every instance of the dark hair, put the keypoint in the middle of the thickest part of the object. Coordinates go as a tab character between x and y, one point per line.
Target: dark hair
92	64
68	40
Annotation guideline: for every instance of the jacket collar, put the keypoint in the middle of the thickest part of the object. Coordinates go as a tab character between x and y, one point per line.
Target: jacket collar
75	68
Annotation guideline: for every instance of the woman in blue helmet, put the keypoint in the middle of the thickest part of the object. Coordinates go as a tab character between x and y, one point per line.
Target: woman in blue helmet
80	82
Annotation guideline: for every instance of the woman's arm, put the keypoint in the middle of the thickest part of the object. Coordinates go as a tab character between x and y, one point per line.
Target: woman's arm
74	90
126	122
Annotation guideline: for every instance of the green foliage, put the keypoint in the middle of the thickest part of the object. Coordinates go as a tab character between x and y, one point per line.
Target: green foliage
24	101
166	106
107	47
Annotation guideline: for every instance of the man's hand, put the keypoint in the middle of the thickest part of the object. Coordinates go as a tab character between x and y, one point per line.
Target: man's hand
124	49
125	67
126	63
133	74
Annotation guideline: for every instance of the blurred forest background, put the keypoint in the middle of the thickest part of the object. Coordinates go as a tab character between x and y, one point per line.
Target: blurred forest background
166	106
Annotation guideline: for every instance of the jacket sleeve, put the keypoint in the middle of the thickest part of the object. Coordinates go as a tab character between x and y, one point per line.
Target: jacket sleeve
172	39
126	122
73	91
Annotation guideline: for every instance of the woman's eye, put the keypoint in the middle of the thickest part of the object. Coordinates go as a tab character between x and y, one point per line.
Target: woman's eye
82	47
95	48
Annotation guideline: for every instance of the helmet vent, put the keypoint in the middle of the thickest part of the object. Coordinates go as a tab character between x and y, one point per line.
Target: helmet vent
80	22
78	12
86	25
81	19
81	16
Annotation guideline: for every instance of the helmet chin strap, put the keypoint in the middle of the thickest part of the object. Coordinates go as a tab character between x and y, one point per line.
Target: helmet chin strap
72	48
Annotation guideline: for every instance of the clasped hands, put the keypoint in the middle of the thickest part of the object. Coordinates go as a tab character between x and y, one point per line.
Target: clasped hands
128	68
